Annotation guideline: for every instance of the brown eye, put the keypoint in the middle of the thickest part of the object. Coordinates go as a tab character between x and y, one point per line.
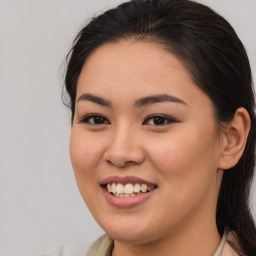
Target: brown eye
94	119
158	120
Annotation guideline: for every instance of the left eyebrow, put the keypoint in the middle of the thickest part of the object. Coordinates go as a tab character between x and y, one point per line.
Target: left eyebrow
158	98
95	99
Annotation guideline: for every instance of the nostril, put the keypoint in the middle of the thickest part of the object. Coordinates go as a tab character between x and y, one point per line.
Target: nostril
121	164
115	163
109	162
128	163
123	155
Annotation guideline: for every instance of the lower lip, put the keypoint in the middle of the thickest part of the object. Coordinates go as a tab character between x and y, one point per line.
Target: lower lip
126	202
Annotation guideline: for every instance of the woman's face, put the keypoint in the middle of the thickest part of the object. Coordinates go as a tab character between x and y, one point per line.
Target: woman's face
140	119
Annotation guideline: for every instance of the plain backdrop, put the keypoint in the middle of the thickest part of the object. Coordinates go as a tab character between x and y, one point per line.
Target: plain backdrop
40	206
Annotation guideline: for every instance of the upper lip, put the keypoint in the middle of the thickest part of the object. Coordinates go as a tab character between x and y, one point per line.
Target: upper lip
125	180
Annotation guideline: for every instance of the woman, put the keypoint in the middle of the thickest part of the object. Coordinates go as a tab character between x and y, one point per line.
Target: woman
163	130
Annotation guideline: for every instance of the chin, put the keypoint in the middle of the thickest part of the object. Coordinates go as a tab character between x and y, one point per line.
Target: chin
129	231
132	236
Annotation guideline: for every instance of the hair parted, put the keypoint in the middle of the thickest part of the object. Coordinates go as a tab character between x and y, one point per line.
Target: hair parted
216	59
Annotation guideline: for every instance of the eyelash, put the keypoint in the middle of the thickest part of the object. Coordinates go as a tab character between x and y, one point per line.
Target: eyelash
86	119
156	118
159	117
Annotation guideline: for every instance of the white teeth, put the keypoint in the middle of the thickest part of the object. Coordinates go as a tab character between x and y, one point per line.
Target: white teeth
113	188
109	188
119	188
144	188
137	188
129	189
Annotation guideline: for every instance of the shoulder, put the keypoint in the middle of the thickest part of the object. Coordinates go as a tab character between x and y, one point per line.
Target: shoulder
101	247
231	246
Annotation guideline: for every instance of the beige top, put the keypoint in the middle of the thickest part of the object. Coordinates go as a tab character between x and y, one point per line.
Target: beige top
104	245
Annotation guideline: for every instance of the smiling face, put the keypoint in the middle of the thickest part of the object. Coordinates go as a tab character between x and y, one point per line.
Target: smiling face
140	119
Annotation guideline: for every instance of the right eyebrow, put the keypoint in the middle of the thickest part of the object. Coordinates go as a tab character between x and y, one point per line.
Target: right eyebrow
157	99
95	99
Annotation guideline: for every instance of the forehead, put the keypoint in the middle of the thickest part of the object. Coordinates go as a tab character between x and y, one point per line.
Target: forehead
129	58
134	53
139	66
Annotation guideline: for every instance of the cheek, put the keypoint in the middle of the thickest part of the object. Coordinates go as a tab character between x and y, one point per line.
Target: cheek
86	156
187	174
185	160
170	156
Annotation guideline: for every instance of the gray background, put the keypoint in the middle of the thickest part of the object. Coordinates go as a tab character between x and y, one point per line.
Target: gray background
40	206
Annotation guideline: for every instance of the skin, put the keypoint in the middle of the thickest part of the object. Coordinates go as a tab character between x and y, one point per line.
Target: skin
184	158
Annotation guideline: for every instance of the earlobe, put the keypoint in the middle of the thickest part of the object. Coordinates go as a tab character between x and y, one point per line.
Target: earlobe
234	139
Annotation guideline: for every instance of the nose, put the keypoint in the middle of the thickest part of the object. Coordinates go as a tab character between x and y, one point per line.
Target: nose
124	148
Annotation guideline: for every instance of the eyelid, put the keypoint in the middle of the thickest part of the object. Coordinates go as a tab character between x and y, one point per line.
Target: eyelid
85	119
167	118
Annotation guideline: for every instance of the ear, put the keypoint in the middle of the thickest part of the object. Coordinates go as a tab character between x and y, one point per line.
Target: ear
234	139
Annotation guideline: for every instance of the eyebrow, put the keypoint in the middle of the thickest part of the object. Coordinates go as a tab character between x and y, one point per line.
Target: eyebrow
95	99
139	103
157	99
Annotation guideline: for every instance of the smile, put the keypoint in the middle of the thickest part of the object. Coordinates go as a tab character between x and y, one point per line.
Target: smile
128	190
